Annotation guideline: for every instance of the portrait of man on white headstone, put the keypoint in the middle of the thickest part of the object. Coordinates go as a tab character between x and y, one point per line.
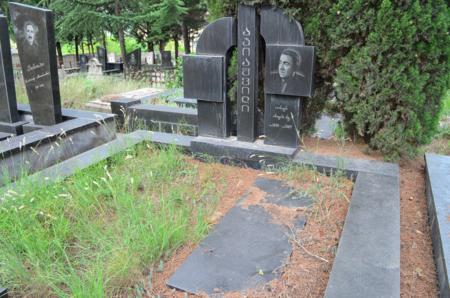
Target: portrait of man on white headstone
289	70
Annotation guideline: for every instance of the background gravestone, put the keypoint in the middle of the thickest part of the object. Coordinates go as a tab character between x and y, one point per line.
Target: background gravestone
134	59
84	59
166	59
102	57
8	104
35	37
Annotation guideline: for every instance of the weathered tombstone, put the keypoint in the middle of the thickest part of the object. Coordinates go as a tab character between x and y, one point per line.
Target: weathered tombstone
8	104
102	57
84	59
289	75
166	59
148	58
248	55
134	59
35	37
95	67
205	77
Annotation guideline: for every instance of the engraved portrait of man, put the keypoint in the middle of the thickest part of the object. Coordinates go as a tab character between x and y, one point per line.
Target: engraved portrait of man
289	70
30	30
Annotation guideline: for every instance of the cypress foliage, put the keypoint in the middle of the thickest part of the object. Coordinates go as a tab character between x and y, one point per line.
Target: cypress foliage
386	62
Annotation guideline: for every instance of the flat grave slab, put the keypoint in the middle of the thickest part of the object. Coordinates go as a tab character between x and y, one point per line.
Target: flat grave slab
3	292
438	196
245	250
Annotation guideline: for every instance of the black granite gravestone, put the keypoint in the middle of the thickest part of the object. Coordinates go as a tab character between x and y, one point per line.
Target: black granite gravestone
166	59
35	37
102	57
248	52
134	59
84	59
8	104
208	67
289	75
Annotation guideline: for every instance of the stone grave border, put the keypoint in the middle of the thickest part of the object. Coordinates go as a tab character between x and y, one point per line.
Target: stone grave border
81	131
367	262
438	197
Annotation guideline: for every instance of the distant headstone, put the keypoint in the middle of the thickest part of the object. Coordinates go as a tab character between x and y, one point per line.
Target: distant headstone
35	37
166	59
102	57
8	104
84	59
148	58
134	59
94	67
111	58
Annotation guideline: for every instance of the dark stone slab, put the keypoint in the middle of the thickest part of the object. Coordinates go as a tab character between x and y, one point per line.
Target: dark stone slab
166	59
203	77
289	70
255	155
3	292
102	57
162	138
13	128
350	166
134	60
277	28
120	107
438	197
4	136
367	262
8	104
84	59
231	257
218	37
35	38
278	192
211	119
29	127
282	120
248	58
244	243
149	113
186	103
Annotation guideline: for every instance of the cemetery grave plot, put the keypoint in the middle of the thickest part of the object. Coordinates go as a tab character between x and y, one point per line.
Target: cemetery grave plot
105	225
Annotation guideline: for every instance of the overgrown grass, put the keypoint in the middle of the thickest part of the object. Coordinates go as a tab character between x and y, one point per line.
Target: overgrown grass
76	91
95	234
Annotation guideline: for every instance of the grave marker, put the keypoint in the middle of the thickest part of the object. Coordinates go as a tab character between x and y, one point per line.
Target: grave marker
134	59
102	57
35	37
248	55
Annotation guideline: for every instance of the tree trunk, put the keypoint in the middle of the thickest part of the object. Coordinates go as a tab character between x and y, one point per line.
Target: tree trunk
77	54
90	45
161	46
60	56
175	39
150	46
104	39
186	39
121	39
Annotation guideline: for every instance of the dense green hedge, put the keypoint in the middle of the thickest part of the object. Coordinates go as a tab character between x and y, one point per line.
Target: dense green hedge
385	62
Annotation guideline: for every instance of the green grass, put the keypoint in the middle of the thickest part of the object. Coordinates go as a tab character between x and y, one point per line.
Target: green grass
96	233
76	91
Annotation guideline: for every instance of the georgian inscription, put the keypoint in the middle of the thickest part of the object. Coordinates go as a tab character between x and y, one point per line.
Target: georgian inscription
36	75
248	43
245	71
281	117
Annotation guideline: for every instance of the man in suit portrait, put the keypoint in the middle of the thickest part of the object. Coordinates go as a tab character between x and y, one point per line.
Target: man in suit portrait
289	70
30	30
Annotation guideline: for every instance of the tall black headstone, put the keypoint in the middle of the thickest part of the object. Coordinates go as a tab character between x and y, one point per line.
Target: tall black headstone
84	59
248	52
102	57
8	104
166	59
134	59
35	37
289	75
